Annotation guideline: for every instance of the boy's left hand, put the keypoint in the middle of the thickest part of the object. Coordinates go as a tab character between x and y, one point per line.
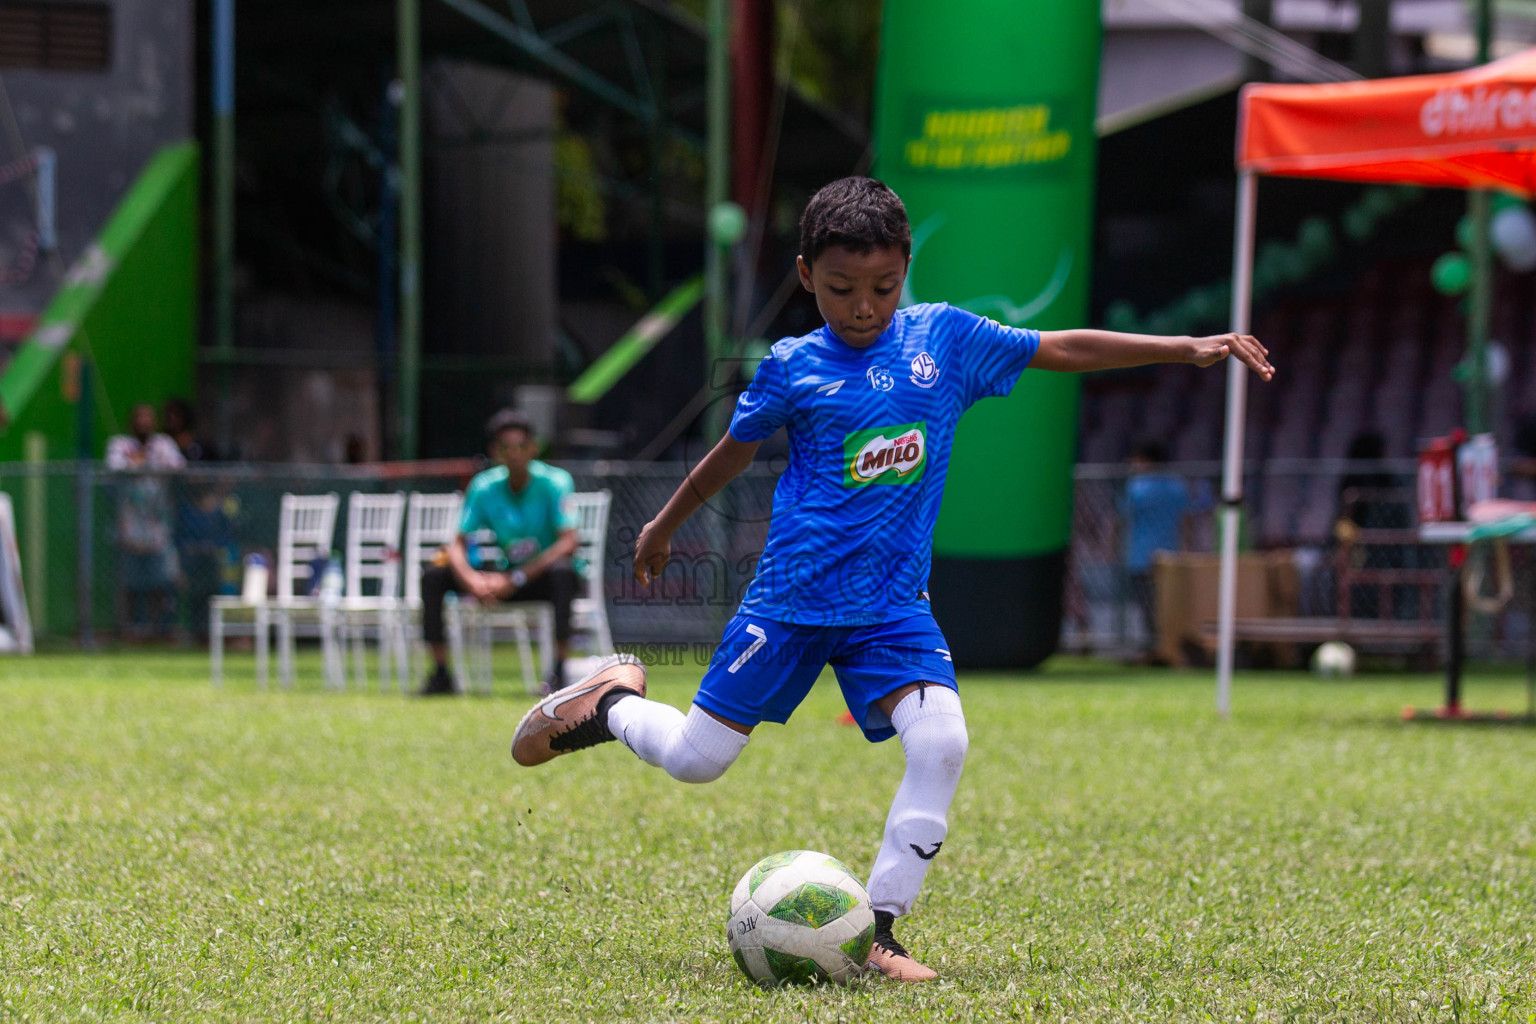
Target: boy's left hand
1206	351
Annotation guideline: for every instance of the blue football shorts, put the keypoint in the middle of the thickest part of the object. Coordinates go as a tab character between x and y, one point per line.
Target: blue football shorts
763	669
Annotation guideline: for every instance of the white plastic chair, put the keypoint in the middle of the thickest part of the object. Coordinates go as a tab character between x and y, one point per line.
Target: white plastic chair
372	557
589	609
305	529
431	523
462	616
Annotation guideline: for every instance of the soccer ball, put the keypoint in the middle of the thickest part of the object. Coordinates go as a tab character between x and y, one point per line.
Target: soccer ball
800	916
1333	660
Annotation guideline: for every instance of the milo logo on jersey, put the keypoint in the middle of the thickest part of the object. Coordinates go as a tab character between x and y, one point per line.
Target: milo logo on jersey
885	455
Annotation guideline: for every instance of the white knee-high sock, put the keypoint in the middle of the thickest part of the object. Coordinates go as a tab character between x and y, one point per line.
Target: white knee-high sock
932	730
692	747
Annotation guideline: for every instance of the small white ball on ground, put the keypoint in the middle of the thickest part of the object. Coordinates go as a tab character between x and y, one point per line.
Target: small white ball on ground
1333	660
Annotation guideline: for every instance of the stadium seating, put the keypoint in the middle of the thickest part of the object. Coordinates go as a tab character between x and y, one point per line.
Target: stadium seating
1380	356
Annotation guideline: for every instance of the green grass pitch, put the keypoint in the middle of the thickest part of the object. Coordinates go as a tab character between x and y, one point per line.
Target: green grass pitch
171	852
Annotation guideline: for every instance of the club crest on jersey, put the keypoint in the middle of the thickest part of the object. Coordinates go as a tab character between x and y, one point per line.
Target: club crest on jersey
880	378
885	455
925	372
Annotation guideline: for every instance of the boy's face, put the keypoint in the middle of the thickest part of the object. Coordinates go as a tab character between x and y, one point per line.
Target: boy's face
856	292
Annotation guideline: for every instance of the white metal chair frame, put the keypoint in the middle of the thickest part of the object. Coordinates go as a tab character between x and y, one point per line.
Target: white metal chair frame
463	616
589	610
372	555
431	523
305	530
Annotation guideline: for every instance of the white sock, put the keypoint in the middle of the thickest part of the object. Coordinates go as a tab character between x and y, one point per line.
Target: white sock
692	747
932	730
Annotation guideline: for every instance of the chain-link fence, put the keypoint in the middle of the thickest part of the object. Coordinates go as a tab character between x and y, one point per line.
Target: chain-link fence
127	555
138	554
1333	551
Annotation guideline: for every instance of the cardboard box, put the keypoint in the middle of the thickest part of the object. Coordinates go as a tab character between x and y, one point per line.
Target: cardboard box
1187	586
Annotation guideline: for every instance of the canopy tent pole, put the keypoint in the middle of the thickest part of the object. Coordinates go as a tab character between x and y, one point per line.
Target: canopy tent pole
1232	460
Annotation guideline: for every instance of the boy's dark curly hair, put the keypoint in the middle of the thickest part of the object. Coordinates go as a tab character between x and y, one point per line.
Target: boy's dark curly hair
861	214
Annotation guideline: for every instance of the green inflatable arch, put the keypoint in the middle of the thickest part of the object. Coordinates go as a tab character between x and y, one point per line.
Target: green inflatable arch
984	126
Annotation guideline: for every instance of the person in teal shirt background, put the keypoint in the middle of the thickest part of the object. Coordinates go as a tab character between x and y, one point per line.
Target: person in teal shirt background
516	542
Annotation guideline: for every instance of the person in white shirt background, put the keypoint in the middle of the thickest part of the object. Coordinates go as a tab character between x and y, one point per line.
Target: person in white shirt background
149	573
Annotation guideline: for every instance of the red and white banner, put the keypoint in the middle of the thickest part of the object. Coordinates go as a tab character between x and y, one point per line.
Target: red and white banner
1467	129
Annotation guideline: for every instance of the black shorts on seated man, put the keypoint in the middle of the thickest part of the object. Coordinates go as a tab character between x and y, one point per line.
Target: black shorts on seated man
516	539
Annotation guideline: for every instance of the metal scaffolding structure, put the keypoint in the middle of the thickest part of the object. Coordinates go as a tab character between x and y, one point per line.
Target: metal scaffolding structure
643	68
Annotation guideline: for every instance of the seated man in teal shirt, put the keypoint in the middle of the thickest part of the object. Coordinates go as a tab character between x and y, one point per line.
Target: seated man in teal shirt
517	536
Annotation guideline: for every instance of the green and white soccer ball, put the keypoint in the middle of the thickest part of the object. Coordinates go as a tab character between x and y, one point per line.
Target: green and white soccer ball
1334	660
800	916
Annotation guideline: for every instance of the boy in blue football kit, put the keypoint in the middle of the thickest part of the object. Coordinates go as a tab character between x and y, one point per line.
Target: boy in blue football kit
870	402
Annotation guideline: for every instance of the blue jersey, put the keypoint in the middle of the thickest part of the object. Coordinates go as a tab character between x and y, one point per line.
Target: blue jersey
870	431
1155	506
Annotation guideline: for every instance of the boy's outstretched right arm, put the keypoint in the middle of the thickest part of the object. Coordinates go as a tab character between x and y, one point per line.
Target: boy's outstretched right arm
1078	351
726	461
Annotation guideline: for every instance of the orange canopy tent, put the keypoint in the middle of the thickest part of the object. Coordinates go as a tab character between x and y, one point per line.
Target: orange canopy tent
1467	129
1470	129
